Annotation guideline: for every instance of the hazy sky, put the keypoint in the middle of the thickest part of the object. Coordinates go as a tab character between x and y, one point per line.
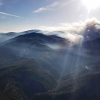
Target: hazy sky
19	15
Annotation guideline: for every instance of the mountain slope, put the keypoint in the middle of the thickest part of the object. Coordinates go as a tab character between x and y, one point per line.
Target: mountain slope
32	69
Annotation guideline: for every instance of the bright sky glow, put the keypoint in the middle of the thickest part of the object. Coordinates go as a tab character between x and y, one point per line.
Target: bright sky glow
91	4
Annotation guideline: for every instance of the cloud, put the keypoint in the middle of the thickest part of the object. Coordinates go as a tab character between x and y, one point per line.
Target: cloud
49	7
76	27
4	15
7	14
75	32
54	5
41	9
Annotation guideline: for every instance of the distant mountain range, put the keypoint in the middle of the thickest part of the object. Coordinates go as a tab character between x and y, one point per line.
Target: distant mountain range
37	65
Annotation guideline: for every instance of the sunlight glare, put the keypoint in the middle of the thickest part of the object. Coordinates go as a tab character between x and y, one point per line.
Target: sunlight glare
91	4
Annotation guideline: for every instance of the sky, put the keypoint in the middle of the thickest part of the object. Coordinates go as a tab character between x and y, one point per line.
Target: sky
22	15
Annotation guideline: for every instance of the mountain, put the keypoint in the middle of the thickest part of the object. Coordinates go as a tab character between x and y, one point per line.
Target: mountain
7	36
39	66
22	56
92	46
82	84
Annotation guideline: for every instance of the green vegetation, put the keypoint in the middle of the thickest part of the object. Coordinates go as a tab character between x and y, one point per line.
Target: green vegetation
30	70
25	78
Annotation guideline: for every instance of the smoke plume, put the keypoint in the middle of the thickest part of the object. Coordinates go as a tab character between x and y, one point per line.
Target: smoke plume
76	32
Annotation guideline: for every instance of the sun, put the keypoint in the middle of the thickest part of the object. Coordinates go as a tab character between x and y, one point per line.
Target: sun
91	4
